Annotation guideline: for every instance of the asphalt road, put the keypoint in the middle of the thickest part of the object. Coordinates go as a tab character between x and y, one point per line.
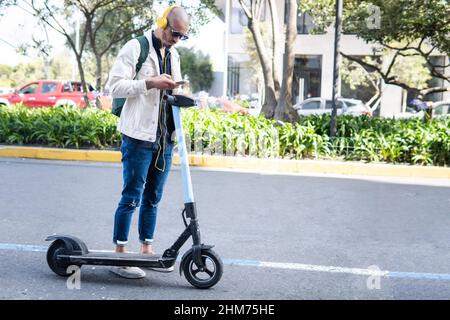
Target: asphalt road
280	236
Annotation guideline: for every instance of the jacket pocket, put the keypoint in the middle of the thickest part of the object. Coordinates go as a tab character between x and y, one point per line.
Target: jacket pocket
148	70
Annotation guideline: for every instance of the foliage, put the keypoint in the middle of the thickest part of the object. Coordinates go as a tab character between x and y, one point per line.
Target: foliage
358	138
407	31
197	67
5	4
58	127
22	73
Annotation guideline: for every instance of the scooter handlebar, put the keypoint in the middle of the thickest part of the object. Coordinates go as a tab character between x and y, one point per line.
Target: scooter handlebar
179	100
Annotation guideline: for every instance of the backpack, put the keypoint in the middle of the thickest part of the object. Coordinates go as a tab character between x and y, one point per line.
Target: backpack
118	103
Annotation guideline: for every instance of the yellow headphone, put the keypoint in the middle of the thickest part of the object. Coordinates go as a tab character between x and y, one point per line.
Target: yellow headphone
162	21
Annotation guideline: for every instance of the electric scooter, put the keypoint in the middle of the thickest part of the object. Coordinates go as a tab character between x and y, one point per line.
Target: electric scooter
202	267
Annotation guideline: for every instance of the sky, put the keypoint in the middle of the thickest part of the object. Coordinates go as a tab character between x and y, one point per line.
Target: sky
18	27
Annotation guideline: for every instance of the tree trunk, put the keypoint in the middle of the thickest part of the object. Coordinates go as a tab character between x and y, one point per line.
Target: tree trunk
83	80
336	77
270	102
285	111
275	43
98	73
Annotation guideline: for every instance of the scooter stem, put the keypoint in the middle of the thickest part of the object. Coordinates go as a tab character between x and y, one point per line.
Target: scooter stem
188	193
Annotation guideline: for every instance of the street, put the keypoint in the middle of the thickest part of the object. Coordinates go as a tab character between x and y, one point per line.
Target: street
279	236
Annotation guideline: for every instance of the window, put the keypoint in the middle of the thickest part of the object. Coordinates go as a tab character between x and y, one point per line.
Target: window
77	87
439	62
329	104
305	24
365	91
239	20
234	73
30	89
49	87
307	78
312	105
67	87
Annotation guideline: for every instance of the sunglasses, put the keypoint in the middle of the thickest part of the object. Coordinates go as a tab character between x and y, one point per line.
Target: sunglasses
179	35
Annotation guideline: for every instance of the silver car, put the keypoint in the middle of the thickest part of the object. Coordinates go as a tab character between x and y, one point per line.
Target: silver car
317	106
441	109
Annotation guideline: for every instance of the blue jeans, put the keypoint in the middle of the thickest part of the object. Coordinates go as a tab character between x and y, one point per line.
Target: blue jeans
143	185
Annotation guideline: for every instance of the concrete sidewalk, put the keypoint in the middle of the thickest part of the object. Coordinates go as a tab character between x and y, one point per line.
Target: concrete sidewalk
243	163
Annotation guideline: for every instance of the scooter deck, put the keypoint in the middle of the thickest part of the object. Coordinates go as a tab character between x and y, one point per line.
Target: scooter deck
110	258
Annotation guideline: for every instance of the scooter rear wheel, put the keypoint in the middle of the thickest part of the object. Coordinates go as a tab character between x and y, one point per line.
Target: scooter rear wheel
203	279
58	247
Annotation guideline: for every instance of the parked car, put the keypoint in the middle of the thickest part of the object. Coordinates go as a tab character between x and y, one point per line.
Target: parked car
49	93
441	109
409	113
317	106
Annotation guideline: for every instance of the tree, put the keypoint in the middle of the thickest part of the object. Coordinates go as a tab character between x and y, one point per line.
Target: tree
277	100
5	75
284	110
407	31
255	69
197	67
22	73
4	4
56	16
253	11
105	27
109	24
361	83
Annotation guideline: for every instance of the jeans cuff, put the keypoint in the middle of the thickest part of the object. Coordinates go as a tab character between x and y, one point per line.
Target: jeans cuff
147	241
120	243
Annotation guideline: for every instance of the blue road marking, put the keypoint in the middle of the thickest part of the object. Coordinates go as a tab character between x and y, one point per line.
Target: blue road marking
22	247
419	276
280	265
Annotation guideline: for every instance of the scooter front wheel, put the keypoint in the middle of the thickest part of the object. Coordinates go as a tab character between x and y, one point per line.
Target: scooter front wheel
207	277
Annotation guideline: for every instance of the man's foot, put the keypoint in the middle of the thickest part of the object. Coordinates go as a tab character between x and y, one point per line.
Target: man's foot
128	272
147	249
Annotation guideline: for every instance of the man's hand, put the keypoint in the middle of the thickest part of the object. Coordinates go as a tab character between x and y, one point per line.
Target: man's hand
161	82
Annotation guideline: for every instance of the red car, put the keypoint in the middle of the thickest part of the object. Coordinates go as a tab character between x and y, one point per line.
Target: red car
49	93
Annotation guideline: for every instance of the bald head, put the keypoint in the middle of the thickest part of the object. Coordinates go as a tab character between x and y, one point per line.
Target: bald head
178	15
178	25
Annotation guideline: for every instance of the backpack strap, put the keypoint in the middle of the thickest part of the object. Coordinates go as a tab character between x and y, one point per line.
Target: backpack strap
118	103
145	48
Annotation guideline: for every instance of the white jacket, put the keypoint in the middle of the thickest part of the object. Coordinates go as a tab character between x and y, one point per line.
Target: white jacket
139	117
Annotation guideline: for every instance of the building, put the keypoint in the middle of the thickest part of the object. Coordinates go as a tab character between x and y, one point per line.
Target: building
313	75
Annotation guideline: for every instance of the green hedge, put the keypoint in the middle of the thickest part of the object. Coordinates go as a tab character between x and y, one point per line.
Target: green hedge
358	138
58	127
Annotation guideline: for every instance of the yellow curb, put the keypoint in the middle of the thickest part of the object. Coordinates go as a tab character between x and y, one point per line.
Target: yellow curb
319	166
60	154
254	164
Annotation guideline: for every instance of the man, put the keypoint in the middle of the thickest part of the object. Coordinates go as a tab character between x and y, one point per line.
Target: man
418	104
147	128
